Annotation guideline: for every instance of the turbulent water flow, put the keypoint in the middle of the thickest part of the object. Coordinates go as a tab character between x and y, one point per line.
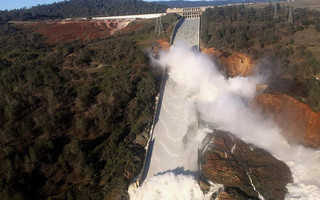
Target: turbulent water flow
173	152
175	131
195	90
188	33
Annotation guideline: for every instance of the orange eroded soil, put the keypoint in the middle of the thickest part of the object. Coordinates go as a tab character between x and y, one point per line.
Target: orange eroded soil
235	64
299	123
162	44
63	31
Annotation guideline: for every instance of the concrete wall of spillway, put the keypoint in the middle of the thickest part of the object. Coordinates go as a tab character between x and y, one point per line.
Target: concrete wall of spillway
137	181
175	29
186	30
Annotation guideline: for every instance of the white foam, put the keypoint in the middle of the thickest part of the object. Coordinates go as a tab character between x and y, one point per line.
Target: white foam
169	187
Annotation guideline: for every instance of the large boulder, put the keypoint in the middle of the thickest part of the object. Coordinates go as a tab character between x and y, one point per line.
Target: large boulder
232	194
245	170
142	139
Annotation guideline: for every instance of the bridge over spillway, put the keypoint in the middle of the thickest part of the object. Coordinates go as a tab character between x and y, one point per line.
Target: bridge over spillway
168	149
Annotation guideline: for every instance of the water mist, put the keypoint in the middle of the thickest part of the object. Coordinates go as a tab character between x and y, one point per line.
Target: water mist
225	103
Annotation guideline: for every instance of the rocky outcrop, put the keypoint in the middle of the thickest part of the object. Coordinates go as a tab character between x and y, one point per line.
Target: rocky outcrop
231	194
299	123
245	170
142	139
235	64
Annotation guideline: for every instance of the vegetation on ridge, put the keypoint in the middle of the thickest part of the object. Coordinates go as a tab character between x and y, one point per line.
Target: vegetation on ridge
82	8
292	47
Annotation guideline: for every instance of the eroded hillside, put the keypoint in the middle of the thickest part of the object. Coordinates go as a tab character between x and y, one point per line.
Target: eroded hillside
288	52
76	29
299	123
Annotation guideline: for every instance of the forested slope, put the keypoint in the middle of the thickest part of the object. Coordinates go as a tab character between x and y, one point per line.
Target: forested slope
82	8
71	114
291	50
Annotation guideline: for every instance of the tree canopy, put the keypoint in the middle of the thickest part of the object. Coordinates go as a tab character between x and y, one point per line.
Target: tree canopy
82	8
70	114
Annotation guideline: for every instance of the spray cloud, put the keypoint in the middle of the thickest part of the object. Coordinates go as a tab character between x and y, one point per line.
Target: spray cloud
224	102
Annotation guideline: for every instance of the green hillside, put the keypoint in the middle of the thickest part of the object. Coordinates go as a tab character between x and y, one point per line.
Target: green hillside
74	115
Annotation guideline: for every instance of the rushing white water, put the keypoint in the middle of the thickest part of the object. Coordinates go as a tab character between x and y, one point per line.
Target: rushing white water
224	102
175	134
169	187
189	33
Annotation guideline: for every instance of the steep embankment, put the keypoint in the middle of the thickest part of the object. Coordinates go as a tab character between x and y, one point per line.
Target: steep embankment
299	123
234	64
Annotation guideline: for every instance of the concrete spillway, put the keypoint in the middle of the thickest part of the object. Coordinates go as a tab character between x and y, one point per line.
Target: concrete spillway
188	32
169	148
